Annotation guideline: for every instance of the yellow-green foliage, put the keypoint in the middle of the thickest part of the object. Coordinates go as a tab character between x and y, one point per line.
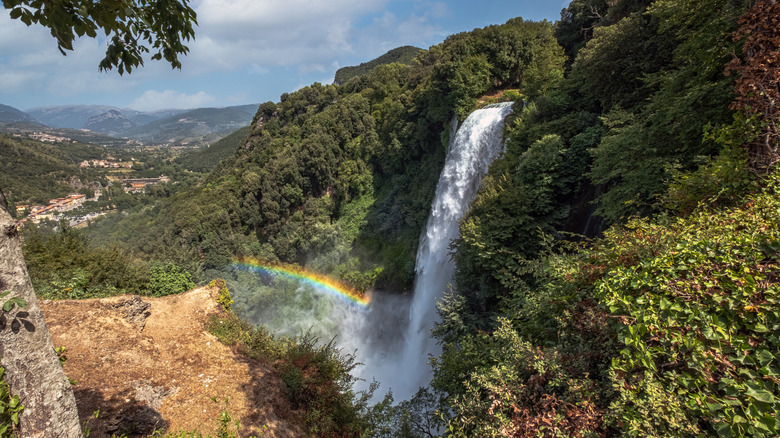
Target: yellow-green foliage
223	298
316	376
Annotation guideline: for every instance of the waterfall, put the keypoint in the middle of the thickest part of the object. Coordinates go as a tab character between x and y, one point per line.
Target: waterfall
392	338
475	145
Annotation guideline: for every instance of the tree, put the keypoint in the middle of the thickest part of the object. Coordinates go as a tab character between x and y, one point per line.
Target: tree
33	369
756	89
133	26
576	25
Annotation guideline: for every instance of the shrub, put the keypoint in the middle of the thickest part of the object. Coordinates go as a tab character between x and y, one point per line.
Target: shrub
223	298
10	408
316	376
168	279
697	298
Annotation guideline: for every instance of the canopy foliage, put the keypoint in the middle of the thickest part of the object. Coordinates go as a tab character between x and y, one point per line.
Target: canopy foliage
133	27
664	324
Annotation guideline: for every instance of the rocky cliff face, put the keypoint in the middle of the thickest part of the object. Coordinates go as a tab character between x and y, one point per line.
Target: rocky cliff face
112	122
32	368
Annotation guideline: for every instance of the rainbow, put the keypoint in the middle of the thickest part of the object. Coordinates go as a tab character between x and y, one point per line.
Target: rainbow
314	279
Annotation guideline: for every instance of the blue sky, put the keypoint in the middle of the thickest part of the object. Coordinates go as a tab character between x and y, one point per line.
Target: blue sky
245	51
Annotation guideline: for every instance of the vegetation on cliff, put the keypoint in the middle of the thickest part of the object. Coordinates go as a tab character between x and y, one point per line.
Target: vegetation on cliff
667	325
340	178
648	127
401	55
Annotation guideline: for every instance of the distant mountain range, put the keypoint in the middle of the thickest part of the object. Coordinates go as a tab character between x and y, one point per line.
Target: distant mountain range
11	114
198	126
174	127
165	127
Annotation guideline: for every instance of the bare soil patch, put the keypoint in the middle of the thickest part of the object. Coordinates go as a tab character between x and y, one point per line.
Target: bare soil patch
149	363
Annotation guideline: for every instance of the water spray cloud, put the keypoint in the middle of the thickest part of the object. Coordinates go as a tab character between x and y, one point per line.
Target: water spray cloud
318	281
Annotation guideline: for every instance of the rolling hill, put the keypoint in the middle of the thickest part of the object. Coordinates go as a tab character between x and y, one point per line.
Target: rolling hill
11	114
203	160
35	171
174	127
402	55
202	125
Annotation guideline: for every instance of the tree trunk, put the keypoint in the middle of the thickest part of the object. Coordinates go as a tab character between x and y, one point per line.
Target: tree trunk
33	370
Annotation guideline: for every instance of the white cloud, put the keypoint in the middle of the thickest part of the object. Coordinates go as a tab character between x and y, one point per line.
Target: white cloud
238	98
258	69
240	18
153	100
440	10
388	31
17	81
31	65
15	36
242	37
236	34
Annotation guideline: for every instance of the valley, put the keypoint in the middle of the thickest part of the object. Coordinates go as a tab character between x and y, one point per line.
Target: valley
532	228
124	128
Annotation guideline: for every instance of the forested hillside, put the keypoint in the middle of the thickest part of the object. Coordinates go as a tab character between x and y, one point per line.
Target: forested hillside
617	273
203	160
340	178
402	55
668	324
36	171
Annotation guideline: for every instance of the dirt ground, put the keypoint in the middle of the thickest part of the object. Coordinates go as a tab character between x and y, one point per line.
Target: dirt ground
148	363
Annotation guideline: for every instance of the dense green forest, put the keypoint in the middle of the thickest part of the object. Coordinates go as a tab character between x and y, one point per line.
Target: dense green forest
33	171
617	272
203	160
341	177
402	55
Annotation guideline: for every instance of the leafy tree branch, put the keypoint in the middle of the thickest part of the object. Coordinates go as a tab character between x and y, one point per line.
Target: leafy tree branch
133	27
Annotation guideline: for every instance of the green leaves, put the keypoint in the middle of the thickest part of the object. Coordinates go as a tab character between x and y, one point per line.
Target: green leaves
759	393
64	265
704	308
135	27
168	279
11	302
10	409
689	341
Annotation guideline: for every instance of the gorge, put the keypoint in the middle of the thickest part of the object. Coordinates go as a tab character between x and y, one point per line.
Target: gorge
659	315
391	342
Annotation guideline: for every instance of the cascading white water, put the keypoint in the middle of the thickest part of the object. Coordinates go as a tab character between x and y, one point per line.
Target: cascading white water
392	346
475	145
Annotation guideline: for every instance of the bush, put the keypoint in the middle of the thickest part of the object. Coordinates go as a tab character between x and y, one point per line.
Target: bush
664	327
316	376
63	264
223	298
168	279
698	299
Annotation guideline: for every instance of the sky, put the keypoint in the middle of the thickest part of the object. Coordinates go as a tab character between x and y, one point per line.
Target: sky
244	52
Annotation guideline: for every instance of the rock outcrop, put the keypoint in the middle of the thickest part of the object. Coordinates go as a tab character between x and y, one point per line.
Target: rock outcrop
32	367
